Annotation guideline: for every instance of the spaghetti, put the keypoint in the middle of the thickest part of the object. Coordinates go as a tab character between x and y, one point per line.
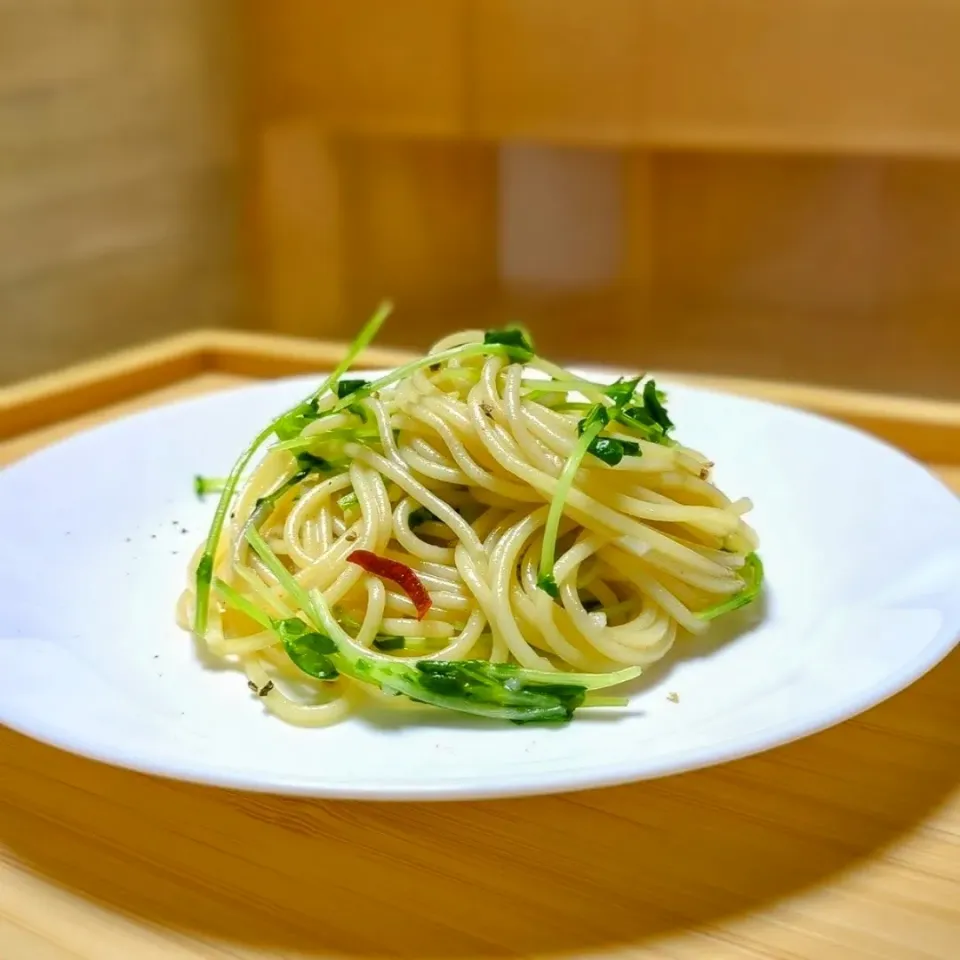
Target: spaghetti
480	530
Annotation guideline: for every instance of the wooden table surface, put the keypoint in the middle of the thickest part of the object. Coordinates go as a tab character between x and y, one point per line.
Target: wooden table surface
842	846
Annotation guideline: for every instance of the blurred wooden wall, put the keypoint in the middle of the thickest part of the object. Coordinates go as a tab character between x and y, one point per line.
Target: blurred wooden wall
118	212
747	187
785	178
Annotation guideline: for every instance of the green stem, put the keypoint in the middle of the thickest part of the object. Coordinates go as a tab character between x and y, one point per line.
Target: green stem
204	574
204	485
594	701
346	433
287	580
551	530
363	340
205	565
454	353
752	574
241	604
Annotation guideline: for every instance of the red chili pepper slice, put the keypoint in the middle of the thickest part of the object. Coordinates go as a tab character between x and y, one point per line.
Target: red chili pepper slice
399	573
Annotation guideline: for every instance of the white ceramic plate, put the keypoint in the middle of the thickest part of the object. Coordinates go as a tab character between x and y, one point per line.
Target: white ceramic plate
861	547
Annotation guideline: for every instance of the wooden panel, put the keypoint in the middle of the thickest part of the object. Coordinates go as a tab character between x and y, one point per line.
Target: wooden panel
299	222
765	255
377	66
860	75
72	36
751	265
863	75
842	846
421	227
117	183
349	223
640	221
43	408
836	271
559	69
770	233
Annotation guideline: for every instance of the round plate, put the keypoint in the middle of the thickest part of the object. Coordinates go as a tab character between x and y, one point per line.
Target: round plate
861	547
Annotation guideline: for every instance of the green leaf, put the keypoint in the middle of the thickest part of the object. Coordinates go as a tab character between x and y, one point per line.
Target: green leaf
637	419
389	643
589	681
611	450
313	464
597	416
480	683
294	421
652	401
420	515
607	449
752	574
650	420
516	339
494	691
621	392
308	649
548	584
526	695
348	501
293	628
356	409
346	387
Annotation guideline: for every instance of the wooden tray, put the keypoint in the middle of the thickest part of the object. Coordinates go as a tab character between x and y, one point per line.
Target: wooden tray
844	845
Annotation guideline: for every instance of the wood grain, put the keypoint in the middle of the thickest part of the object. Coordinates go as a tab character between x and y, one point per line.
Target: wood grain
790	180
870	77
371	66
867	77
115	384
842	846
118	184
